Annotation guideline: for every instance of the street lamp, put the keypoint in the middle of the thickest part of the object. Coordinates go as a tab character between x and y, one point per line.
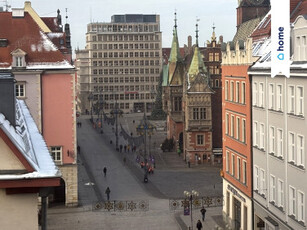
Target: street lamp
191	196
145	128
90	99
116	112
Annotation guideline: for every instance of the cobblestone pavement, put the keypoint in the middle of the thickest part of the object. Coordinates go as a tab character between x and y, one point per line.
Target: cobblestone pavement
170	179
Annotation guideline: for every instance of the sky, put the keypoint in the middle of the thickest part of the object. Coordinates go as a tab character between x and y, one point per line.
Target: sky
221	13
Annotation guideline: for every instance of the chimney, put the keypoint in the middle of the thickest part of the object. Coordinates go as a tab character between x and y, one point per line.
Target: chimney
7	95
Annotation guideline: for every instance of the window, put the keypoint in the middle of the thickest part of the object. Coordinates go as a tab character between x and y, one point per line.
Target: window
291	145
243	130
200	139
18	61
233	164
243	93
292	201
261	94
244	172
255	136
300	150
238	168
261	138
299	101
231	90
226	90
20	89
217	83
279	98
203	114
237	91
279	143
238	128
256	178
56	153
280	194
195	114
177	104
262	187
291	99
300	206
227	124
271	96
227	161
255	93
272	189
272	140
232	125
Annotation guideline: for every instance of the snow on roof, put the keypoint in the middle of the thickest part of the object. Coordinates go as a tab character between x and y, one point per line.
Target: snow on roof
49	65
30	143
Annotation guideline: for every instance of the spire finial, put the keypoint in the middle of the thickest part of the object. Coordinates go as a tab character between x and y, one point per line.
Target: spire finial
213	38
66	15
175	19
197	20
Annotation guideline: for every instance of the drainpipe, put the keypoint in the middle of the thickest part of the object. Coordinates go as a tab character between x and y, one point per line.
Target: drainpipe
43	193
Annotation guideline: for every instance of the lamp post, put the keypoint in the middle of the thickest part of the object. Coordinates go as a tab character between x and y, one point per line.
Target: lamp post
191	196
116	112
145	128
100	107
90	99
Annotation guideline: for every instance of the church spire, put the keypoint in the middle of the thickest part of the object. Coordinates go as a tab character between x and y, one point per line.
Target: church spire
175	51
213	38
197	65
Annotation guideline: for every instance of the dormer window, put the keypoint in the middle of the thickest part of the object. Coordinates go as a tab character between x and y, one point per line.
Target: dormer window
18	61
18	57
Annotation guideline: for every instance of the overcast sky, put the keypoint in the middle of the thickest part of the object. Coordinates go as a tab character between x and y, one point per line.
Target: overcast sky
220	12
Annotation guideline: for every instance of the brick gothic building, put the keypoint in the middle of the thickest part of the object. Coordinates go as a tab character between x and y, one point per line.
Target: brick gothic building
187	102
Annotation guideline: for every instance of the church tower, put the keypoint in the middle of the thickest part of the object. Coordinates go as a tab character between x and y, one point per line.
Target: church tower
173	75
197	110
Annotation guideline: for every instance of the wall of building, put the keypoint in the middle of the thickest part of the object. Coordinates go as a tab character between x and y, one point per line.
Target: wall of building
15	209
230	194
58	112
70	176
8	159
33	95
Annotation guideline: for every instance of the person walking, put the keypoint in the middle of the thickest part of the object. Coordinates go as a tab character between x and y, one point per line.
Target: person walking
108	193
203	213
105	171
199	225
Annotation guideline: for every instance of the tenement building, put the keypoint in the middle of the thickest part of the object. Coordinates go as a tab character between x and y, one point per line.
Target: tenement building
124	63
237	155
279	131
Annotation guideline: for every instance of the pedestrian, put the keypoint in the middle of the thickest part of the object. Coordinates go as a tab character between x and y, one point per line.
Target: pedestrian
105	171
199	225
120	148
125	148
108	193
203	212
128	148
189	164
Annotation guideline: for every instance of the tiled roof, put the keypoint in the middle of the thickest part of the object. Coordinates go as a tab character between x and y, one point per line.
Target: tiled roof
246	29
24	33
263	30
52	23
166	53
